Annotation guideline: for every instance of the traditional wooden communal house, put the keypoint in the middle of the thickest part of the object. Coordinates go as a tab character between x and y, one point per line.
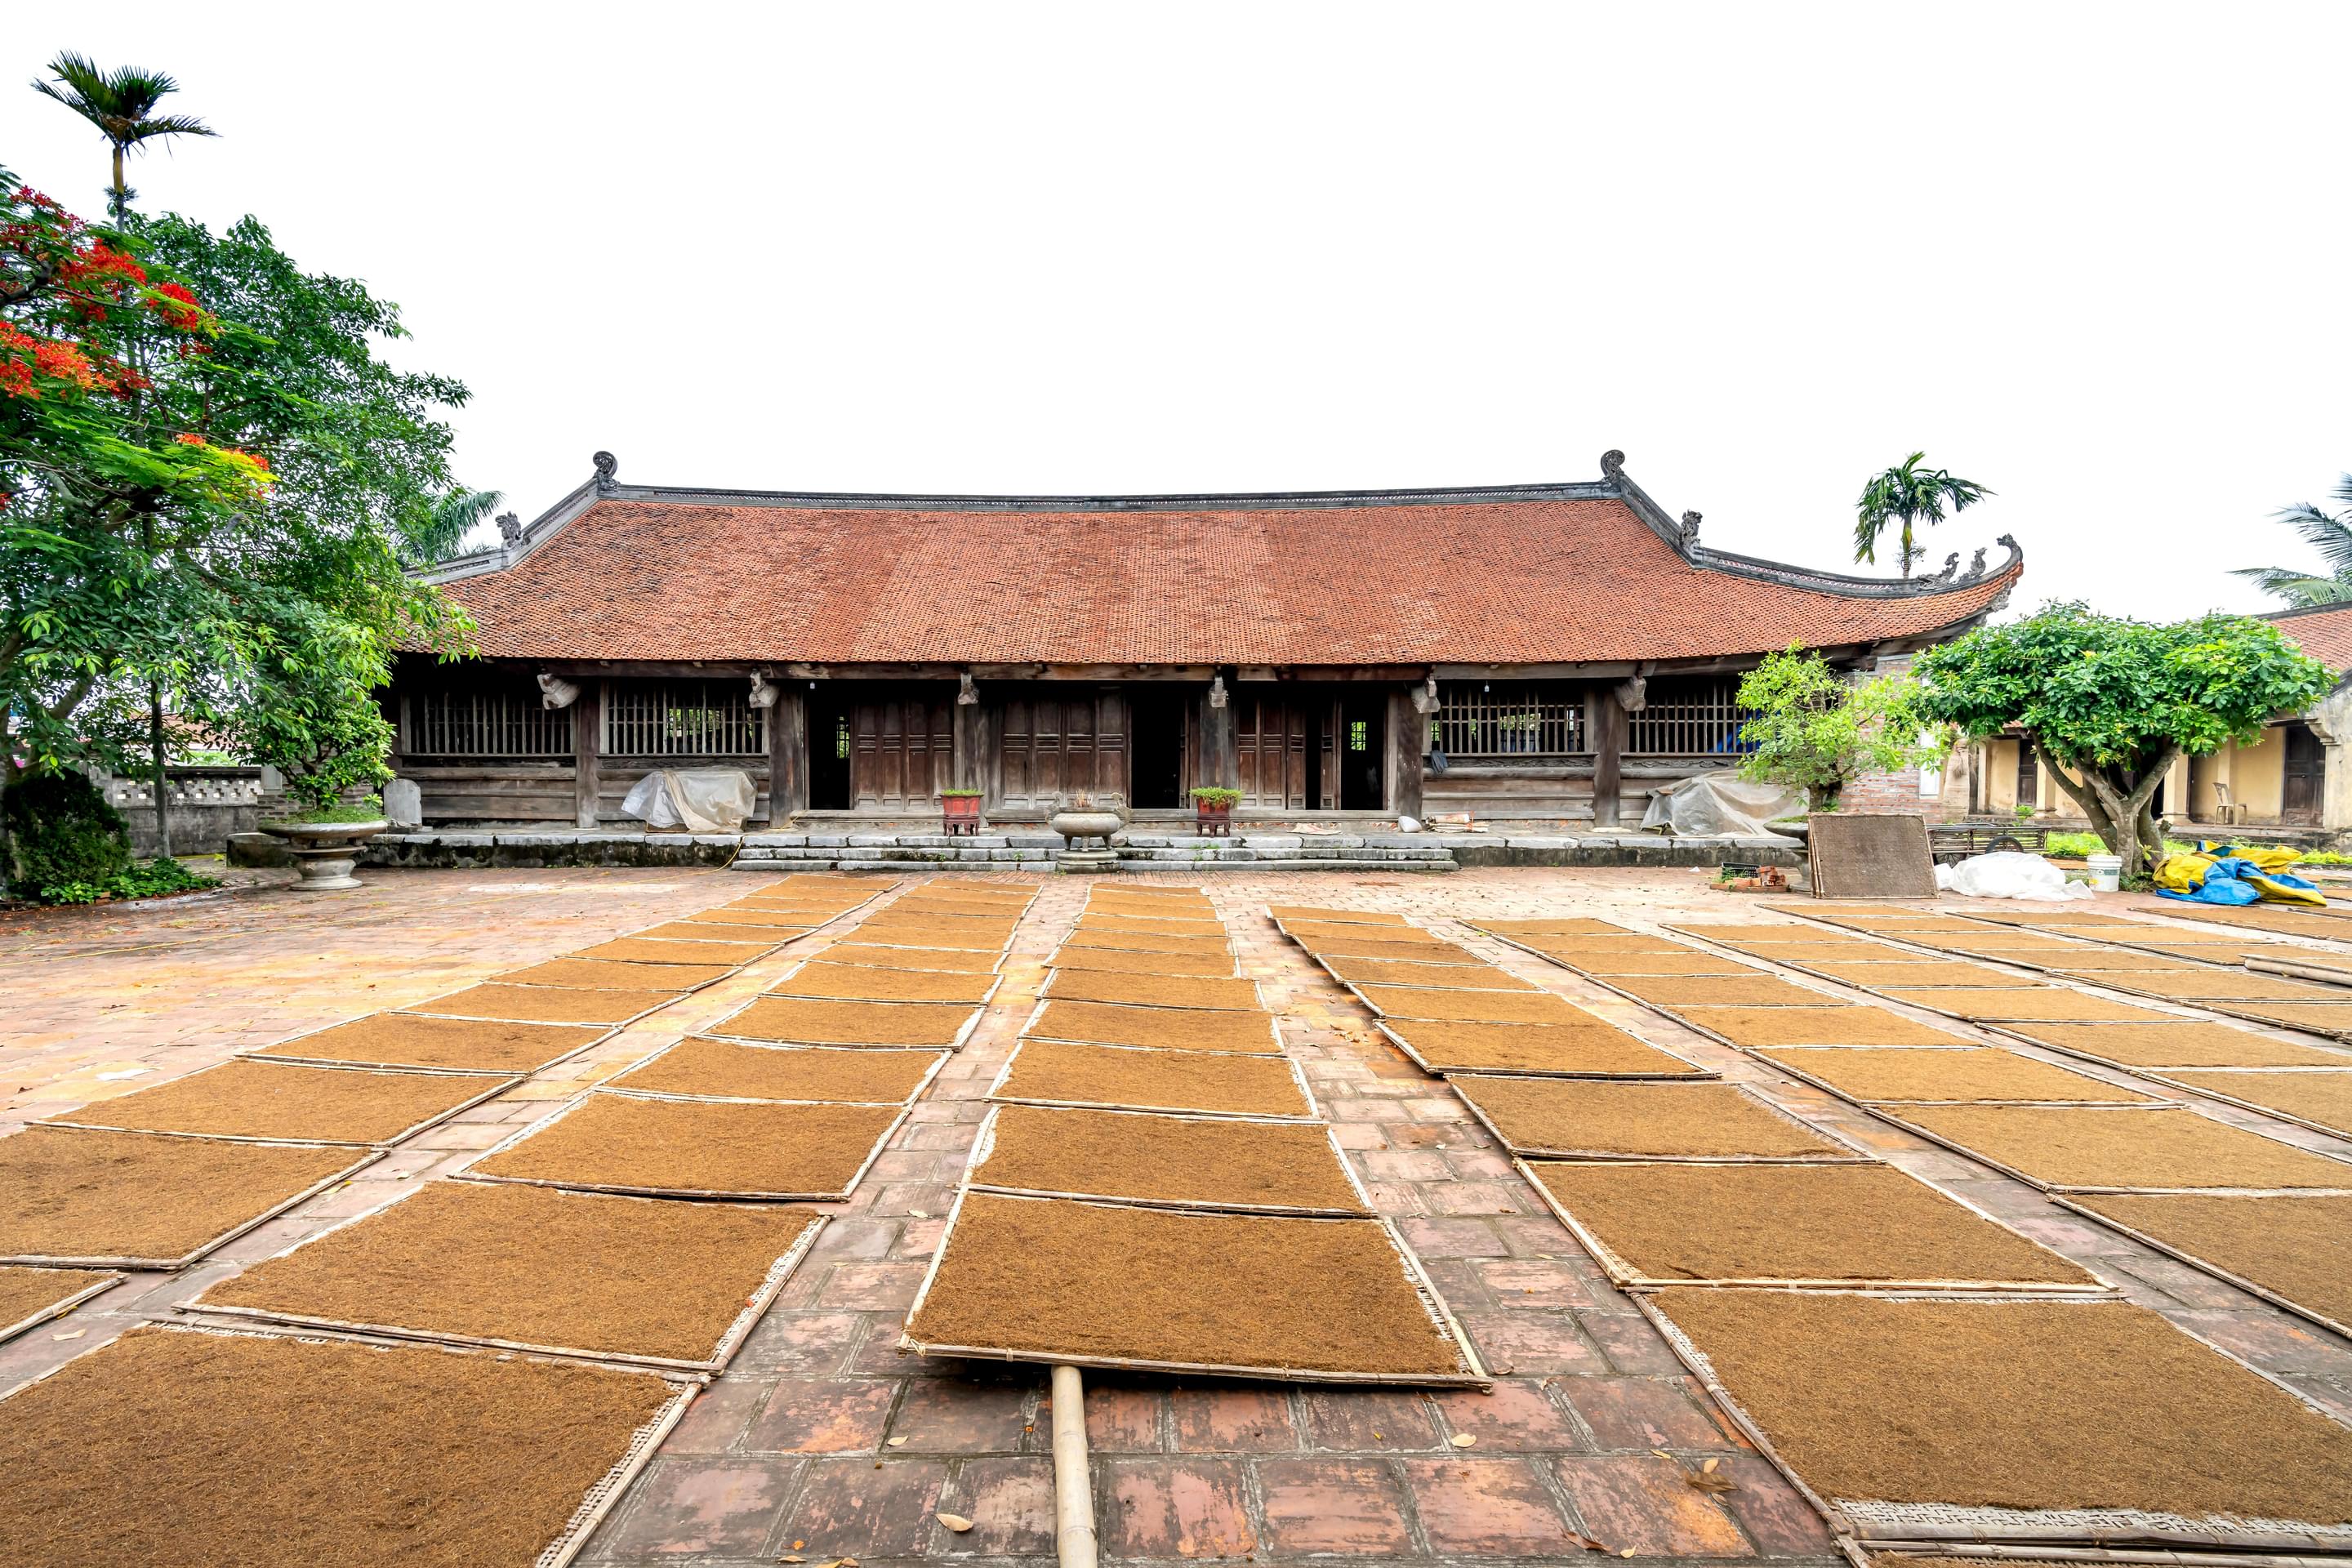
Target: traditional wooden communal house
1537	651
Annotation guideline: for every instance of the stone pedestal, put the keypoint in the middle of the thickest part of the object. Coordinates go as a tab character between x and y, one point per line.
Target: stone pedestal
1087	832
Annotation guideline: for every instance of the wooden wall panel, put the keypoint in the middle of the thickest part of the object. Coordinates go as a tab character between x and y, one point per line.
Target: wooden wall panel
1050	742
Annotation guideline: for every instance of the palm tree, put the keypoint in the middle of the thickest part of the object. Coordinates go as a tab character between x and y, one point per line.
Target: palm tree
437	535
2331	536
1910	495
121	104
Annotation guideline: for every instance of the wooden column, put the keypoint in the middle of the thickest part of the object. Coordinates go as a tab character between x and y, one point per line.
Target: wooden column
1408	732
788	756
587	737
1221	765
1608	719
964	767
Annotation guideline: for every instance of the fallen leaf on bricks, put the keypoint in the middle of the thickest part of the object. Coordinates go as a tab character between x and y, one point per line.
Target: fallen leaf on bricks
898	1442
954	1522
1464	1440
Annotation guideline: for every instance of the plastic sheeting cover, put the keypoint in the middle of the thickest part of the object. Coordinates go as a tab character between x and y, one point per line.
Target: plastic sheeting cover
1715	805
699	800
2008	874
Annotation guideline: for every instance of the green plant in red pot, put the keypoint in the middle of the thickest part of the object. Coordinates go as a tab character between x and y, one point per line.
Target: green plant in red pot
960	811
1213	812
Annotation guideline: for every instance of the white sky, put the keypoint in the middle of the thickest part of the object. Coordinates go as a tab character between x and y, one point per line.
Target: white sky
2092	256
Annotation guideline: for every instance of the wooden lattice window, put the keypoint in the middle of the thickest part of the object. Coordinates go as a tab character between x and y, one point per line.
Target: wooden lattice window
1508	719
1690	717
683	719
487	722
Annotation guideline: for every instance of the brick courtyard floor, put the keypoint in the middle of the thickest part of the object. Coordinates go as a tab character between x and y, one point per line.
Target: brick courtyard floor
824	1441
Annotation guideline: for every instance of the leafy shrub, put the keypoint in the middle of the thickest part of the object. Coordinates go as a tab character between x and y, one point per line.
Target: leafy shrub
1217	796
157	877
368	810
57	830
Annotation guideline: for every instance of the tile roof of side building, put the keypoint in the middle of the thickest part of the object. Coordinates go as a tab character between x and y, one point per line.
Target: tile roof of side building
1564	573
2323	631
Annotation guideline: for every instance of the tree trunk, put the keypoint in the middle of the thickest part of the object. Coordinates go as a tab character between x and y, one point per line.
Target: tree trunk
162	780
2119	812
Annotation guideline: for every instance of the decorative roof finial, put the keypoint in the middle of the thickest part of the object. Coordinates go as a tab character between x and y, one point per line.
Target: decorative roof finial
1690	529
605	465
1952	564
510	528
1976	567
1612	464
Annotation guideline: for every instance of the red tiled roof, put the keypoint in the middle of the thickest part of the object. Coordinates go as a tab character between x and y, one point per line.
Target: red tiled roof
2326	634
1508	581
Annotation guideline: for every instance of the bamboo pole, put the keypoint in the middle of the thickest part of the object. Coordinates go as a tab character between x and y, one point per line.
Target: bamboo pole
1073	1496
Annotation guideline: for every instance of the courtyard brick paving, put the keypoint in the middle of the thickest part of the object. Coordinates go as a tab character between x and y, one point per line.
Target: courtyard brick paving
822	1440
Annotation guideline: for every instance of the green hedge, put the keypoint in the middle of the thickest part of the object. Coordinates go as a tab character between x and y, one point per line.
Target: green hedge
59	832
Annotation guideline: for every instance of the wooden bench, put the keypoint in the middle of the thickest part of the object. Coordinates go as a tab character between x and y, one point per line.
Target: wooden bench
1951	842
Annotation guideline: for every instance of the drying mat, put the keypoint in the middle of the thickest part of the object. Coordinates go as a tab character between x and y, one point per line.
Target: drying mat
2053	1421
598	974
1818	1225
1164	1162
1878	974
1444	977
701	1067
1334	916
544	1004
930	933
2280	956
1676	990
2321	1101
1139	925
2004	948
1119	961
1912	927
1163	1028
134	1200
529	1269
2295	1251
766	937
1556	925
611	1142
2080	1149
2181	1042
863	983
1137	1290
941	960
2199	985
664	949
979	928
2331	1019
778	920
2055	915
192	1448
1874	956
1593	1048
1737	932
1062	1072
814	1022
1371	947
1931	1076
2025	1005
1152	990
458	1045
1636	942
1471	1006
1869	855
2091	963
285	1102
31	1297
1687	961
1832	1025
1590	1120
1320	934
1145	942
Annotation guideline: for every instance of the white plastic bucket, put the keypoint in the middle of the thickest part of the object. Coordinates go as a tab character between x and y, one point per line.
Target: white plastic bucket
2107	871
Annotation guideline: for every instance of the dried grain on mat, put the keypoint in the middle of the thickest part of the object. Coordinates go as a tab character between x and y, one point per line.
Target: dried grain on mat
28	1295
73	1195
945	960
1321	933
1166	1028
1592	1049
543	1004
1921	1073
736	915
1372	947
665	950
1557	925
1858	953
1690	961
930	933
2090	962
1835	1025
2216	985
1328	916
1587	1116
1154	990
2074	1146
1139	925
1166	1159
535	1267
283	1101
1675	991
820	1023
2026	1004
2309	957
1444	976
1119	961
619	1143
1472	1007
412	1040
2179	1042
2323	1099
2333	1019
597	973
1738	932
771	937
732	1070
1048	1281
1145	942
1818	1222
2017	1404
862	983
174	1448
1877	975
1064	1072
2297	1248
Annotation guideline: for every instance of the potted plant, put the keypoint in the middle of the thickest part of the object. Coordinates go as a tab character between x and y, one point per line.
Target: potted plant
1213	812
313	716
960	811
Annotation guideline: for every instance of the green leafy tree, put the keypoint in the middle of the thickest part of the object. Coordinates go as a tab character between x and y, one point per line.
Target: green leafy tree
1910	495
2109	705
121	104
2331	535
1815	728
